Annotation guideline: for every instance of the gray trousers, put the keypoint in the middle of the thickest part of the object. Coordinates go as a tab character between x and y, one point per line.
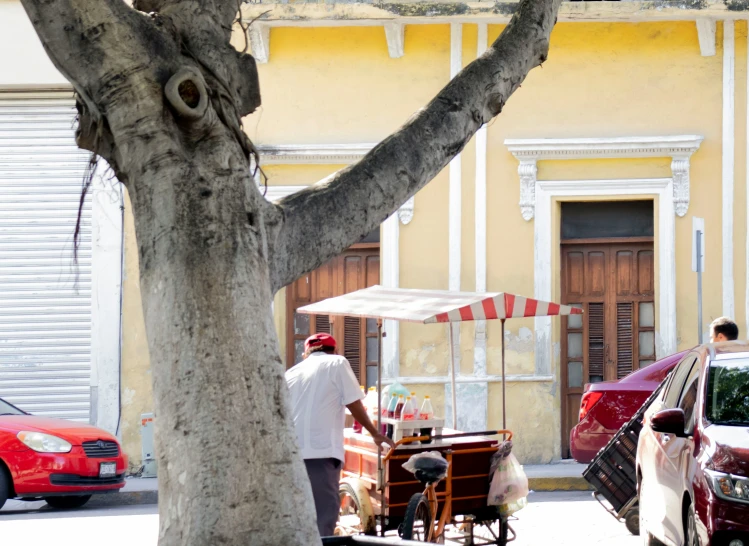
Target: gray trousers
324	475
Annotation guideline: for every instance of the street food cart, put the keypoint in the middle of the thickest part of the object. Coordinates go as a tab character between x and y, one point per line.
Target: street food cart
376	492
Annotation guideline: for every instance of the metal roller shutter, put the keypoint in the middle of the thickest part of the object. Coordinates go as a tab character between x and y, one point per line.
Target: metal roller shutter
45	298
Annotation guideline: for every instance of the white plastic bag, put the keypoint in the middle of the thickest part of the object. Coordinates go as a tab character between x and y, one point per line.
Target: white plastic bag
428	467
509	487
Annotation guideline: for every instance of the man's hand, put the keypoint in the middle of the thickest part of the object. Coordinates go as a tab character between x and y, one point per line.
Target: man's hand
380	439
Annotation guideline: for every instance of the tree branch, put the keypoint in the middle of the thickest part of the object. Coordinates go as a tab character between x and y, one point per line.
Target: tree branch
323	220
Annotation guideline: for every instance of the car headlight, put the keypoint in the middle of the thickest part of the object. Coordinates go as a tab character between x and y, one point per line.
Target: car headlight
44	443
729	486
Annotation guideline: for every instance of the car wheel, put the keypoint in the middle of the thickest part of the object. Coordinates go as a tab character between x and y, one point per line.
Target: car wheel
67	503
691	528
4	486
632	521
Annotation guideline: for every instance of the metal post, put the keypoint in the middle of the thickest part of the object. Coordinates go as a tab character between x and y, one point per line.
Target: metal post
699	286
452	376
504	391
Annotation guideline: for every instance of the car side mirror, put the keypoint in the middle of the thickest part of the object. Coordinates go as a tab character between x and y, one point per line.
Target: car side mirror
670	421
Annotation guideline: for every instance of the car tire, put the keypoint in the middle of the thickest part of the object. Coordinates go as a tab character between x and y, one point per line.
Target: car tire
632	521
67	503
690	531
4	486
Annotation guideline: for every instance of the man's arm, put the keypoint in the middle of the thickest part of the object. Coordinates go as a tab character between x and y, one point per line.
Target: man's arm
360	414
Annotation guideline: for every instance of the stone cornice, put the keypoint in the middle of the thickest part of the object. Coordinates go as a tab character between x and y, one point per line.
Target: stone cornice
615	147
312	154
419	12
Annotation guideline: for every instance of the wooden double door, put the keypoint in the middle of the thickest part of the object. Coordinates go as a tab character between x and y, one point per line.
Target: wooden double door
357	268
614	284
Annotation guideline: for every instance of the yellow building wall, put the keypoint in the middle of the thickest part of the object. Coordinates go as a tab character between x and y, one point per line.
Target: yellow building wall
136	389
338	85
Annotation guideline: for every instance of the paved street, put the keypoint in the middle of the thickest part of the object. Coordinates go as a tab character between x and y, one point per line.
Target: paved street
562	519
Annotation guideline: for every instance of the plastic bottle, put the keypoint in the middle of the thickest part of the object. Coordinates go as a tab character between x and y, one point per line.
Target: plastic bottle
426	413
384	403
370	404
417	404
408	413
392	405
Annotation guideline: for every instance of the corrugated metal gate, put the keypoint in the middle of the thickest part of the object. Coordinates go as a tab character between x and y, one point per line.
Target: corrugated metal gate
45	298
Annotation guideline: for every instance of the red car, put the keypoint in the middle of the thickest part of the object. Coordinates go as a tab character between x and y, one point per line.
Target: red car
606	406
60	461
693	452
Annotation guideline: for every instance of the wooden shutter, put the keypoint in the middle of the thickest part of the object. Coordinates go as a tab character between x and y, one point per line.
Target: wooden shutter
595	341
352	340
624	345
322	324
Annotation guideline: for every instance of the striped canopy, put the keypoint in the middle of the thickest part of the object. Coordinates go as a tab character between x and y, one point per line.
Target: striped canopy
431	306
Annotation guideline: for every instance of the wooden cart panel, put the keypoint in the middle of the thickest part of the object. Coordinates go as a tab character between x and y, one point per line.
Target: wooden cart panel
470	472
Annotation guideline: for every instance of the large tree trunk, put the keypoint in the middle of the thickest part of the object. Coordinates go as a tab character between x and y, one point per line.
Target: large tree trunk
161	99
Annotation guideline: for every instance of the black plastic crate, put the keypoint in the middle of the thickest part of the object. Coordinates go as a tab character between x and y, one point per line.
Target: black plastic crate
613	471
611	482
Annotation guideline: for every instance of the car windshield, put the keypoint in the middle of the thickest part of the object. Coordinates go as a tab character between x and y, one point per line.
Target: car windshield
7	409
728	392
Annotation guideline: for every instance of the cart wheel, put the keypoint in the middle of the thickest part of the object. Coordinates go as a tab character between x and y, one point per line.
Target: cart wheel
356	515
417	520
632	521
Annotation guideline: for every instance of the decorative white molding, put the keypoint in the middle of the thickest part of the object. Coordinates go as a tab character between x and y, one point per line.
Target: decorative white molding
312	154
528	172
665	245
529	151
729	58
395	35
259	35
444	379
406	212
680	171
606	148
706	34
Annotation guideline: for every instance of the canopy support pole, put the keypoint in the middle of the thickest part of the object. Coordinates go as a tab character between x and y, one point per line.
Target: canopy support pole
380	473
452	376
504	391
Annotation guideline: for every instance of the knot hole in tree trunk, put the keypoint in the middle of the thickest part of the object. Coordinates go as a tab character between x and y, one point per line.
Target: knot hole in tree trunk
187	94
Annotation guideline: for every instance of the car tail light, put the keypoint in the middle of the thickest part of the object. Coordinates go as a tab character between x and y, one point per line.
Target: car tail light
589	400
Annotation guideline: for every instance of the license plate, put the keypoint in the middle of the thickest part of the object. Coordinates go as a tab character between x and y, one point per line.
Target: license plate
107	470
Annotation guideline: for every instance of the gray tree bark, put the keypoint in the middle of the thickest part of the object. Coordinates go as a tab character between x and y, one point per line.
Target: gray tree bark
161	96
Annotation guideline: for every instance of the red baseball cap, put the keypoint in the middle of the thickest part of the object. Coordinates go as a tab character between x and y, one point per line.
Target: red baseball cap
319	340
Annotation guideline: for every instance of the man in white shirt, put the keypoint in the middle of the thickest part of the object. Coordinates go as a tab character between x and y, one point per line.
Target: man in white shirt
321	386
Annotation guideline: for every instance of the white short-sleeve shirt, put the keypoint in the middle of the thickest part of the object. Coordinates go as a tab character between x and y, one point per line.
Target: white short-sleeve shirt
321	386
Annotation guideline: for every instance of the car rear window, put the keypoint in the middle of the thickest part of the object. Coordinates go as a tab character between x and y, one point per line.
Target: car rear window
727	401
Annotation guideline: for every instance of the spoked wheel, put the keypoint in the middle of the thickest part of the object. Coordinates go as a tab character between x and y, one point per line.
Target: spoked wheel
356	515
417	520
496	532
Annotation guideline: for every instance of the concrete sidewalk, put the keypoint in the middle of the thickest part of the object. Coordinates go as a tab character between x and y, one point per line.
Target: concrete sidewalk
557	476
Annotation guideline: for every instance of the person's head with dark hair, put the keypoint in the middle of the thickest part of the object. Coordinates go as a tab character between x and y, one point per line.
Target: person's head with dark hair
723	329
319	343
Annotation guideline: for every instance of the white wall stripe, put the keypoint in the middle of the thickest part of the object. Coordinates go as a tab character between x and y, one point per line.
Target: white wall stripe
390	252
746	302
479	350
729	55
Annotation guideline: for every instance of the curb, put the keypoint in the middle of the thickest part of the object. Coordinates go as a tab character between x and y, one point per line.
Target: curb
577	483
127	498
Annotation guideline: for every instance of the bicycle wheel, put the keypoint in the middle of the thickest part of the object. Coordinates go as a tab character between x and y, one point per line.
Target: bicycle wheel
417	520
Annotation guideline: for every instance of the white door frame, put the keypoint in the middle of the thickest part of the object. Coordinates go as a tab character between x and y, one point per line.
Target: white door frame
665	265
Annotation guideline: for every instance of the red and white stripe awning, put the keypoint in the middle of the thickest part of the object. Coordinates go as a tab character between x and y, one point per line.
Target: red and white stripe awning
431	306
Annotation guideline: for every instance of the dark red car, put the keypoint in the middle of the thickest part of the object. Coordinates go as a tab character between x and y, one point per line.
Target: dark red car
606	406
693	452
60	461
